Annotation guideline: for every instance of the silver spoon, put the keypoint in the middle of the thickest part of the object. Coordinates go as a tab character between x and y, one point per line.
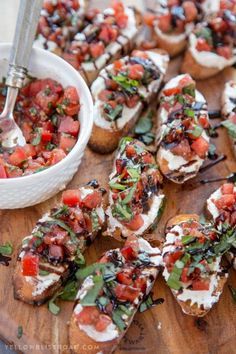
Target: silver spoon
27	21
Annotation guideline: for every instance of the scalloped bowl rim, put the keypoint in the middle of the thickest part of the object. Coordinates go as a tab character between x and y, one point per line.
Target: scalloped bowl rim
84	134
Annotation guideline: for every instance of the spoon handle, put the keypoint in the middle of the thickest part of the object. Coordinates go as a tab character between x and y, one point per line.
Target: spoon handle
26	26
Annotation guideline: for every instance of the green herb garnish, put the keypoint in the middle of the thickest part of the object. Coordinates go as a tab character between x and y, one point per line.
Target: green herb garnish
189	90
6	249
53	308
90	298
231	127
43	272
126	83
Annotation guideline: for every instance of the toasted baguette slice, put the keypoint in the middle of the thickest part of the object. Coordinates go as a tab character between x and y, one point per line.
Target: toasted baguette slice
57	24
136	199
203	64
182	140
130	100
102	43
229	110
54	249
220	207
100	323
195	292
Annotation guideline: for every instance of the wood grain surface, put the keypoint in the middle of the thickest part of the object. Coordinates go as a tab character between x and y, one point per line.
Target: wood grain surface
163	329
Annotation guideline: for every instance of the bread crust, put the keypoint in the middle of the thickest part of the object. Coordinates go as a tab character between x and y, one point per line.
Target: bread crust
172	48
196	70
186	306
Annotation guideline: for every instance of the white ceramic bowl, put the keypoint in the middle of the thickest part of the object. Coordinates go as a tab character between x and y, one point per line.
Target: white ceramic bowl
29	190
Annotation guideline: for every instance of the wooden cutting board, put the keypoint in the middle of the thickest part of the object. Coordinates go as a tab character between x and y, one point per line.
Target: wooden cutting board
163	329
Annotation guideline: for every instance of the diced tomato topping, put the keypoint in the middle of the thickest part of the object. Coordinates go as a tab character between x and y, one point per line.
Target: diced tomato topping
171	91
200	146
227	188
105	95
224	51
67	142
71	197
203	45
117	65
88	316
201	284
184	275
69	125
132	101
102	323
203	121
27	130
38	85
18	156
136	71
46	99
92	200
125	276
96	49
126	293
56	156
141	283
46	136
139	54
226	200
2	172
218	24
129	252
135	223
30	150
12	173
186	81
130	151
164	22
30	265
108	34
182	149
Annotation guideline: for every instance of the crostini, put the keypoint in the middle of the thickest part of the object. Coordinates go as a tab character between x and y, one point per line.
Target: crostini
229	111
60	20
110	36
54	249
221	207
181	136
135	196
120	93
173	22
192	266
110	295
211	45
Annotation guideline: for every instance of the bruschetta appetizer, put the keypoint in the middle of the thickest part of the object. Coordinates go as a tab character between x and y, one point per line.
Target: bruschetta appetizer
110	36
173	22
229	111
181	136
211	45
221	207
120	93
110	295
54	249
192	266
135	196
59	22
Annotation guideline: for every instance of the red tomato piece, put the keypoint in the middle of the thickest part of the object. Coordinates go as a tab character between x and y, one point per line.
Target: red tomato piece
135	223
224	51
102	323
200	146
69	125
149	18
46	136
2	172
126	293
182	149
227	200
71	197
203	121
30	150
136	71
92	200
125	277
172	91
67	142
88	316
117	65
164	22
121	20
227	188
130	151
201	284
18	156
96	49
71	94
203	45
56	156
139	54
46	99
56	251
141	283
12	173
129	252
184	275
30	265
105	95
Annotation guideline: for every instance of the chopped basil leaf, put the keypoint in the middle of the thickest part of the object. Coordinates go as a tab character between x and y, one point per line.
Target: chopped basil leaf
79	258
90	298
149	302
37	139
143	126
118	186
43	272
233	292
53	308
83	273
19	332
117	319
95	221
70	291
231	127
187	239
189	90
189	112
65	227
103	301
124	141
174	277
60	211
126	83
196	131
6	249
129	196
113	113
122	212
134	173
